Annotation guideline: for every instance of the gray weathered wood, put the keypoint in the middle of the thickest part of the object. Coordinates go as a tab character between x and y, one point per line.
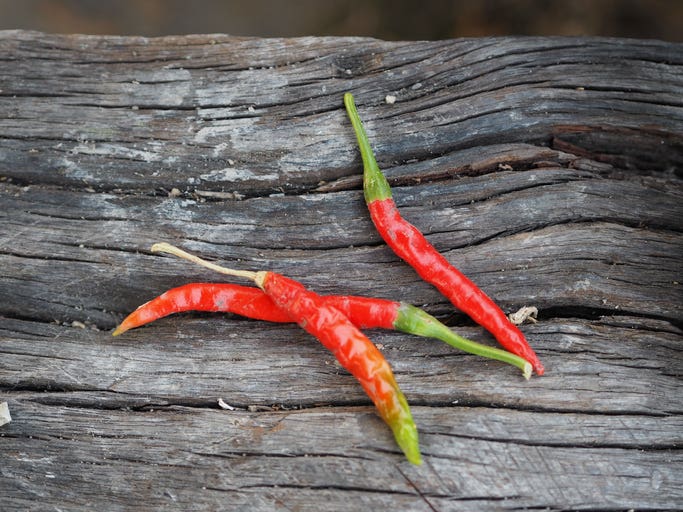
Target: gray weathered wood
547	169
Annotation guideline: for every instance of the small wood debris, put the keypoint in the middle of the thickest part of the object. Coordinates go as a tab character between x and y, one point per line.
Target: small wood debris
523	314
224	405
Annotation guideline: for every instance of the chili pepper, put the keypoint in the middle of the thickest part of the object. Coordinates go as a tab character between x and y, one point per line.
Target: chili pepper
411	246
224	297
351	347
364	313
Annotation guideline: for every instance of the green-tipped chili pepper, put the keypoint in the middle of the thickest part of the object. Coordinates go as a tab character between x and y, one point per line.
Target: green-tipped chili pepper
351	347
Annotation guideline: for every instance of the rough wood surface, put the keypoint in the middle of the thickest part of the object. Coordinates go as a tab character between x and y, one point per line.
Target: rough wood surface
549	170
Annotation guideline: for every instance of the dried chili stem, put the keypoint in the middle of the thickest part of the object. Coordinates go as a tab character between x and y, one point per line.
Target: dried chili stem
176	251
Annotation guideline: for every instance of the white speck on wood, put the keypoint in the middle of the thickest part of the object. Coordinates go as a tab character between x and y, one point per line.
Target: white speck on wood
234	174
116	151
4	414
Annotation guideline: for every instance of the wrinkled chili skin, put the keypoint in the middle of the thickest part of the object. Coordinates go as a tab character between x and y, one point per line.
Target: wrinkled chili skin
250	302
242	300
353	350
365	312
411	246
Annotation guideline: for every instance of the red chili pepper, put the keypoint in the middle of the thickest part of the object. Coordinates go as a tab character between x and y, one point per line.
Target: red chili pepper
353	350
224	297
350	346
411	246
363	312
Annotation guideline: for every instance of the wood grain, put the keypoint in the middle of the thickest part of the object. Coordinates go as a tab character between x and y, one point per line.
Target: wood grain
547	169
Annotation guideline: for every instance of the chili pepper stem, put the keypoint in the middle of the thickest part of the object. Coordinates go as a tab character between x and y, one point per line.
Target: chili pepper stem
375	185
257	277
416	321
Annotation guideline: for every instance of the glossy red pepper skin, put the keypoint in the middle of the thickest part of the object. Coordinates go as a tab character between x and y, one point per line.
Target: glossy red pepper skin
353	350
411	246
363	312
250	302
241	300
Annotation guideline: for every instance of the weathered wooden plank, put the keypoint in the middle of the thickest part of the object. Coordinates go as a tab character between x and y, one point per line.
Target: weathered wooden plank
250	362
527	210
548	169
140	114
193	458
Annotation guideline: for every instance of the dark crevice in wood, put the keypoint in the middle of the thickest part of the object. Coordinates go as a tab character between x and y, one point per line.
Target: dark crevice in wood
56	214
63	139
150	107
32	354
247	452
326	487
592	313
487	498
465	401
50	319
591	445
417	489
38	385
57	394
228	68
14	95
46	257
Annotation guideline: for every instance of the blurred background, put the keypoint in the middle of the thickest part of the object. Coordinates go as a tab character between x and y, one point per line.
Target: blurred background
385	19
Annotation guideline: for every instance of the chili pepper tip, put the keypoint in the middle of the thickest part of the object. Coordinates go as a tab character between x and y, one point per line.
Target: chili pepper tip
407	441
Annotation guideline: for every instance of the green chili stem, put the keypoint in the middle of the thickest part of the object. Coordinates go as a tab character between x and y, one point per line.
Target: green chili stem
416	321
375	185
